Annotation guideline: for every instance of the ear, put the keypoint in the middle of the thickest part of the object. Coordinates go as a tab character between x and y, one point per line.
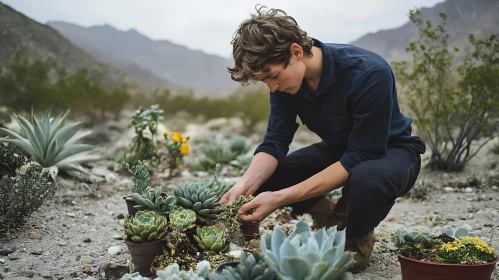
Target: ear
297	51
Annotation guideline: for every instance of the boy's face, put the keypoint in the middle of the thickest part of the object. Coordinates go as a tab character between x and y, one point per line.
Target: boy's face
287	79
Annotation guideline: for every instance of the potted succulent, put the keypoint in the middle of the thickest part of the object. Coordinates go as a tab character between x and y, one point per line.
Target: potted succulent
210	239
140	183
145	238
456	254
184	220
197	197
155	200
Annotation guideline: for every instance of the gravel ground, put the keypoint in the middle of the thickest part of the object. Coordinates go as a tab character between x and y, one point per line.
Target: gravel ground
78	234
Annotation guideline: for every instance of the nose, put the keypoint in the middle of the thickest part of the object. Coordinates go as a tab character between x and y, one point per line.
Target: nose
272	86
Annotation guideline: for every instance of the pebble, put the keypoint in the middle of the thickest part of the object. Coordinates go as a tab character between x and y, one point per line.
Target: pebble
13	258
468	190
35	235
87	240
2	261
114	250
117	236
27	273
449	189
36	253
72	215
120	216
5	252
62	243
495	188
46	274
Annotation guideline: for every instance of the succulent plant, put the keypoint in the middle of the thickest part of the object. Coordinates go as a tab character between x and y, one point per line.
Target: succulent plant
398	236
183	219
417	234
51	144
459	231
145	226
239	145
305	254
152	199
250	267
173	272
199	198
210	239
133	276
140	177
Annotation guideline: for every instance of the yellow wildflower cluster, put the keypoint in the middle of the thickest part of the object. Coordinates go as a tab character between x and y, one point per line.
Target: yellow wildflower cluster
478	243
455	245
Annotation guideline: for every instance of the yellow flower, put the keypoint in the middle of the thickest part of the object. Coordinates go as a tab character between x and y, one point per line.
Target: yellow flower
184	149
177	137
165	133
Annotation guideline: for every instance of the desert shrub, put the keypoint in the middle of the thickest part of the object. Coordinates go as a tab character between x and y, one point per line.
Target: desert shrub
452	110
24	187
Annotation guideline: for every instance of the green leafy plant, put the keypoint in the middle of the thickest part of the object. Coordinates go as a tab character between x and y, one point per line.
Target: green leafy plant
153	199
144	145
250	267
231	220
177	147
183	220
210	239
199	198
145	226
51	144
306	254
24	187
450	117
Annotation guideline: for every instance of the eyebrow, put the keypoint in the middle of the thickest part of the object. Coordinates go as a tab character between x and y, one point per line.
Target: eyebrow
270	74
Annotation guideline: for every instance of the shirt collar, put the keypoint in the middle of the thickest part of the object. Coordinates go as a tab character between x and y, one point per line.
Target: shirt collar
328	77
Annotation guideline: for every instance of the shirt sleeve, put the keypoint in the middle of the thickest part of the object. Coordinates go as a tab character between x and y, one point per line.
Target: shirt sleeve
281	126
371	118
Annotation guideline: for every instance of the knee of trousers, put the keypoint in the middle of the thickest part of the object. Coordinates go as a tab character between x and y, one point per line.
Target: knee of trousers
369	187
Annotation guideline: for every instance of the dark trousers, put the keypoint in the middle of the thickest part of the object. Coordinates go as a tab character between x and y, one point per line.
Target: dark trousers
371	188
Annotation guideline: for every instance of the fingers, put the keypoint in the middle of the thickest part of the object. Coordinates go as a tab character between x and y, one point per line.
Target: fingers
225	198
246	207
255	216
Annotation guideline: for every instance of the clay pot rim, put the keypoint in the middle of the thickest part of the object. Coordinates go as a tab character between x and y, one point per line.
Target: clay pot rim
144	243
448	264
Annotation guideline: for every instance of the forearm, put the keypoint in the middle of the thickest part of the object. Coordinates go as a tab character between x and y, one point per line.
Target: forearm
261	168
329	179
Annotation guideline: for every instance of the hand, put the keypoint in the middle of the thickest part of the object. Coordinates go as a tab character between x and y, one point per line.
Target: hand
237	190
264	204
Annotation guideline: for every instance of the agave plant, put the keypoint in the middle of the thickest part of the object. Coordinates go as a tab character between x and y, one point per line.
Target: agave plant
210	239
183	219
250	267
152	199
199	198
306	254
51	144
145	226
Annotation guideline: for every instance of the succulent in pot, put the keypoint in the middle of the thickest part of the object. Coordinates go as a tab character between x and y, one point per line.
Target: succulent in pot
210	239
200	199
153	199
183	220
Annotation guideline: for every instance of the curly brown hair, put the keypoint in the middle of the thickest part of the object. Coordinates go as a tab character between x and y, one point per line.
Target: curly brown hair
265	39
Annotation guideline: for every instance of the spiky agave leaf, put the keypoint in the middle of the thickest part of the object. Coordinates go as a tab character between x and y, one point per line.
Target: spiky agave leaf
199	198
50	143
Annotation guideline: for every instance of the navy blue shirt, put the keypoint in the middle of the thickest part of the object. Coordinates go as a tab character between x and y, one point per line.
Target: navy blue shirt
354	108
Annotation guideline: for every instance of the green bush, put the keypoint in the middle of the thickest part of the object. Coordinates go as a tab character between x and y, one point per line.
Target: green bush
451	110
23	187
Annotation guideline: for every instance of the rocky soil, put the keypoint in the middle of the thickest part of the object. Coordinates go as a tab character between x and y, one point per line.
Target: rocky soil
78	234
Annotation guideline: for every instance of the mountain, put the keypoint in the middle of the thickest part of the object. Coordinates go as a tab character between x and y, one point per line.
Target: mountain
463	17
206	74
37	41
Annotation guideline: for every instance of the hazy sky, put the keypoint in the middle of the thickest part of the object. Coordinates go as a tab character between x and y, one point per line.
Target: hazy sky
208	25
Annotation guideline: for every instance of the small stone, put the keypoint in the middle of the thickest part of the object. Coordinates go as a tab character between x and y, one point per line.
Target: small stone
72	215
87	240
62	243
445	176
255	243
27	273
87	269
120	216
46	274
235	254
36	253
468	190
114	250
448	189
117	236
495	188
5	252
470	216
35	235
2	261
13	258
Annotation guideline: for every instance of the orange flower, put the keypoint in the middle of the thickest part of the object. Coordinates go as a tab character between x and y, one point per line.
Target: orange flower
184	149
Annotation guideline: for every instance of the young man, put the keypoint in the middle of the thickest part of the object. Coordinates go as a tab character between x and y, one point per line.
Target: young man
347	96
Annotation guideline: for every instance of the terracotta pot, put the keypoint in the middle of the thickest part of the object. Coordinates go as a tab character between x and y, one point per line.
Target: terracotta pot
130	203
418	270
226	265
144	254
251	230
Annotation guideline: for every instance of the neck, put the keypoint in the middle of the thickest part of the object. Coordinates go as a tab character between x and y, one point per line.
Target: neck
313	66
